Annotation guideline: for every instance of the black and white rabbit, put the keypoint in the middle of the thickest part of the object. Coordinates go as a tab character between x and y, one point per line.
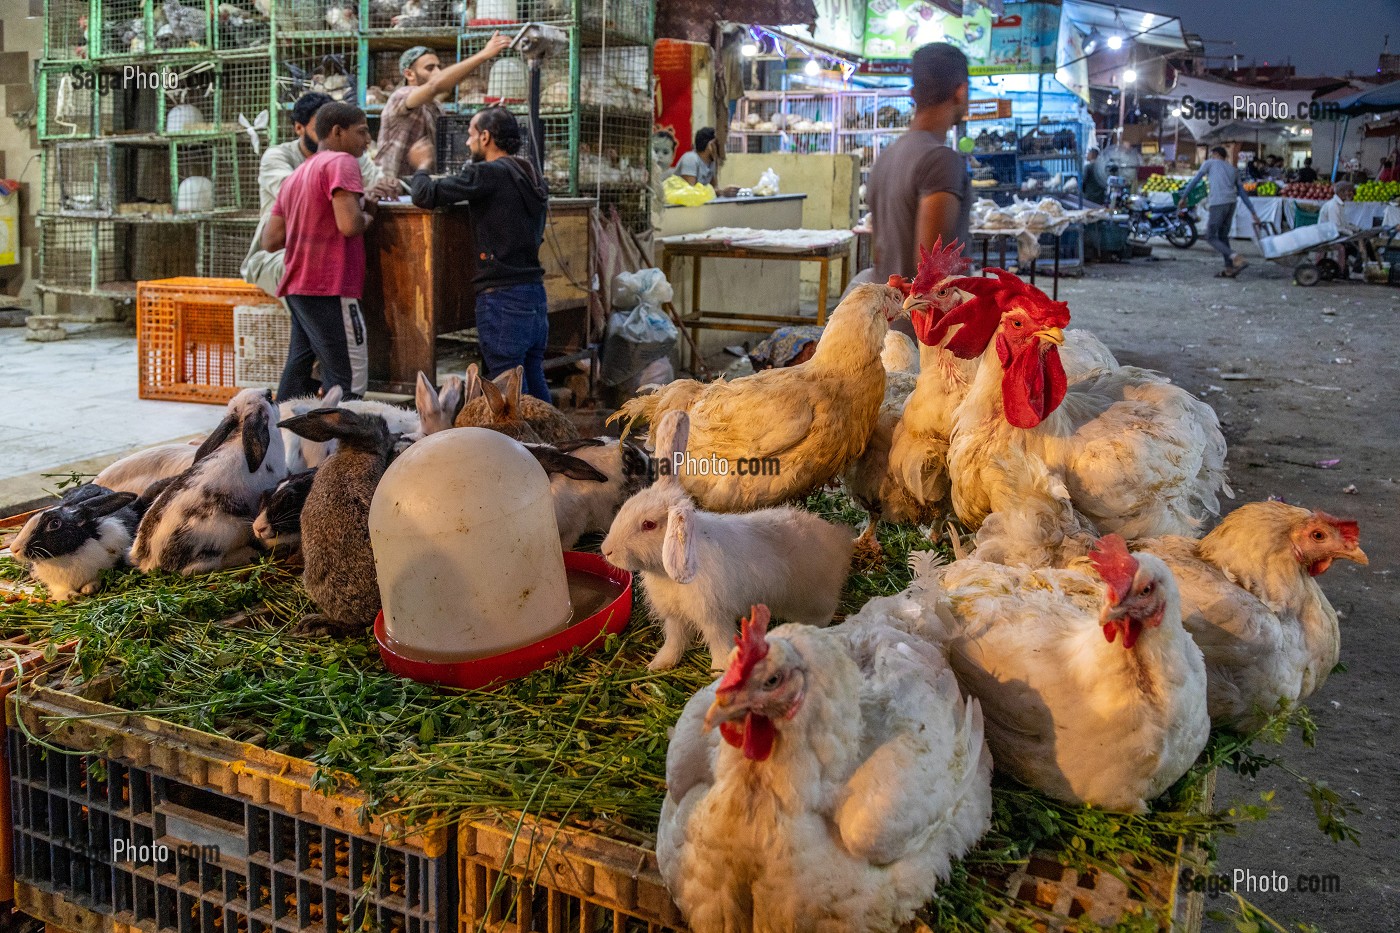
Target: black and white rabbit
596	475
203	520
139	471
67	546
278	525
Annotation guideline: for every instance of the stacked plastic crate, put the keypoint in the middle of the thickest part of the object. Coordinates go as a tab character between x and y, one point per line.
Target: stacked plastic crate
150	130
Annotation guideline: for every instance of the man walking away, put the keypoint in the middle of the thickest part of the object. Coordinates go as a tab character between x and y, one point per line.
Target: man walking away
320	218
1225	187
919	187
1091	185
509	205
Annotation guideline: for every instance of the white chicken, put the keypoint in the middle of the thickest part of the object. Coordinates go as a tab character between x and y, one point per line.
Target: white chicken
1250	598
1069	712
850	773
1138	455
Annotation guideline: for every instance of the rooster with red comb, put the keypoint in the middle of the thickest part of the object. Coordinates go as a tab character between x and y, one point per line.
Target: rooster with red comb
825	782
1093	690
1138	455
1250	597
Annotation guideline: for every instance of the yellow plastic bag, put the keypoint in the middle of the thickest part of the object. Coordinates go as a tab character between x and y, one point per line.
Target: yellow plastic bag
677	191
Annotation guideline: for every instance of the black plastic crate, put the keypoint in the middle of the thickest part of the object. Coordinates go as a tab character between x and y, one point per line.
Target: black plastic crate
151	851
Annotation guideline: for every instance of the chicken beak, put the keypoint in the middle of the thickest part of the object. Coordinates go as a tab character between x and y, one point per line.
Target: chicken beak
1357	555
1052	334
722	710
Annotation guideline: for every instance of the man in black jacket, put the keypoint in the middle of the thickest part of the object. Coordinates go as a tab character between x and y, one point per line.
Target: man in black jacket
509	205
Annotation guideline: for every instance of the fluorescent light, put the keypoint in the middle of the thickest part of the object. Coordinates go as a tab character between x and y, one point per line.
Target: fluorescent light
1115	42
749	49
1129	76
812	69
1176	111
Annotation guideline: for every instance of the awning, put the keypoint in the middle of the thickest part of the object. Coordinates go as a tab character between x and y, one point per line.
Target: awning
1242	131
1376	100
1141	26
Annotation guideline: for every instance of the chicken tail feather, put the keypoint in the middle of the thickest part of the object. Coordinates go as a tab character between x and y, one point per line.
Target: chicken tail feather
640	409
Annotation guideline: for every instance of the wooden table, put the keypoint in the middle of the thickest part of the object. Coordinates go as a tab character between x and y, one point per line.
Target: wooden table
698	319
418	285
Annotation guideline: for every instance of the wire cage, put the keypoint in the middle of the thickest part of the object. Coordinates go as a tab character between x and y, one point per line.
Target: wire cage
618	22
237	26
618	78
383	79
452	151
123	28
110	257
67	102
126	108
66	30
510	14
205	175
79	178
210	97
329	64
416	17
311	16
223	244
182	25
868	111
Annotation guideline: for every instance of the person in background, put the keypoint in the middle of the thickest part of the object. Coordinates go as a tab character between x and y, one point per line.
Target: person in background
1388	171
319	218
509	204
1307	174
411	113
1257	171
1225	187
260	267
1333	211
919	188
1091	185
697	166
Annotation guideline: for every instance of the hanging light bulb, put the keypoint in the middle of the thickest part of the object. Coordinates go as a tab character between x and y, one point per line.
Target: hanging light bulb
1115	42
1129	76
749	48
811	69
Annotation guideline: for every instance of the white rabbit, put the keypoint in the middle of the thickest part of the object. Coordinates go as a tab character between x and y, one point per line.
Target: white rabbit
203	520
703	570
68	545
585	502
136	473
302	454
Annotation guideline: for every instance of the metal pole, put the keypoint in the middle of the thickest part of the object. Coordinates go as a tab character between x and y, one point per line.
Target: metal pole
1337	149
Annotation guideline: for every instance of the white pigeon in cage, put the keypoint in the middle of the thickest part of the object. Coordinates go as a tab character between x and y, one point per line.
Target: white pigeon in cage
341	18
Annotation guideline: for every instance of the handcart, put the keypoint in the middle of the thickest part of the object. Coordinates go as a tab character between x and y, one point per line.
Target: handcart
1313	251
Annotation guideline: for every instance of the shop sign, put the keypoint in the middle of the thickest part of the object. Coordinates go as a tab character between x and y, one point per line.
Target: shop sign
895	28
1024	43
988	110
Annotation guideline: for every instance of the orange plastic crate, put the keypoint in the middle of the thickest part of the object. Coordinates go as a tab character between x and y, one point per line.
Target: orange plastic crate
184	337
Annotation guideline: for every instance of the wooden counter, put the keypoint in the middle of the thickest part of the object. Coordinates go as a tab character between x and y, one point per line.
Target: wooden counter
419	267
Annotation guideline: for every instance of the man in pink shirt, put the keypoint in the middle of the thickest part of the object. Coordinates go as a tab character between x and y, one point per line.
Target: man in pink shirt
320	218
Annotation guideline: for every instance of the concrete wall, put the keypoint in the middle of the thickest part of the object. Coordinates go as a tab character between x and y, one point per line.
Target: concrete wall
830	182
21	45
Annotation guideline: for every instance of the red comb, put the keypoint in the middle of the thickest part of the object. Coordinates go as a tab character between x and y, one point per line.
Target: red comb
900	283
753	647
938	264
1347	528
981	315
1116	566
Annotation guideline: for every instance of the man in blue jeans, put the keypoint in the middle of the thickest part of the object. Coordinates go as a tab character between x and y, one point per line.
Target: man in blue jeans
509	204
1225	187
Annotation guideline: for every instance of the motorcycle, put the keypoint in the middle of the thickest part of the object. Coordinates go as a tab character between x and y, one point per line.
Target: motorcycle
1146	220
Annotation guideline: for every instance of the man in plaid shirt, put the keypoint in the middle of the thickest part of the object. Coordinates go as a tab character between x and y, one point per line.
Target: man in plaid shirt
412	111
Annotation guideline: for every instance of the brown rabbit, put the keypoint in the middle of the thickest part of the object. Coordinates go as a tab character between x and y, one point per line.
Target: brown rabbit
550	424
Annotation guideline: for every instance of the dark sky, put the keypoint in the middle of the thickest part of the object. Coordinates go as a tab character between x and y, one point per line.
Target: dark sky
1318	37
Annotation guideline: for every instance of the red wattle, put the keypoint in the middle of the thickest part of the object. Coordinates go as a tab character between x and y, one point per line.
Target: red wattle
1033	385
925	324
755	737
1109	631
1131	630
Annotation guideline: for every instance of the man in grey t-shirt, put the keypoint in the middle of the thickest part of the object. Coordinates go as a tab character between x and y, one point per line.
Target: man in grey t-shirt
919	187
697	167
1225	187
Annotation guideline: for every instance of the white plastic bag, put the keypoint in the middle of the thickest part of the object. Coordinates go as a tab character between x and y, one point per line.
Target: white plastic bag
638	336
767	184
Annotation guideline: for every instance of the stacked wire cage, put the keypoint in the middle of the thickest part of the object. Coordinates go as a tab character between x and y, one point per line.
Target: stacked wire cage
595	96
152	117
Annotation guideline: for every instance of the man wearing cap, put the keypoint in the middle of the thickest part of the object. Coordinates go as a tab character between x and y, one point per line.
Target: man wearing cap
412	112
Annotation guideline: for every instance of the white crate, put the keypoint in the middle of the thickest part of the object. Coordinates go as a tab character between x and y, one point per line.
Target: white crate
1295	241
260	337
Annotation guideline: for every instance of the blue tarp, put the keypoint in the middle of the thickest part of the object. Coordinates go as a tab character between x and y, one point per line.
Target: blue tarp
1376	100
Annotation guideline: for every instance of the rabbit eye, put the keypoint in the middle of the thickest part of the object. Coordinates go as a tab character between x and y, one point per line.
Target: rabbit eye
53	525
648	525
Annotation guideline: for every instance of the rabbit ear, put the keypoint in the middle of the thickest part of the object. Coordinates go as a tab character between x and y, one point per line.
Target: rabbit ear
672	435
450	397
257	435
556	461
473	383
425	398
494	399
332	397
678	549
514	379
98	506
216	437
